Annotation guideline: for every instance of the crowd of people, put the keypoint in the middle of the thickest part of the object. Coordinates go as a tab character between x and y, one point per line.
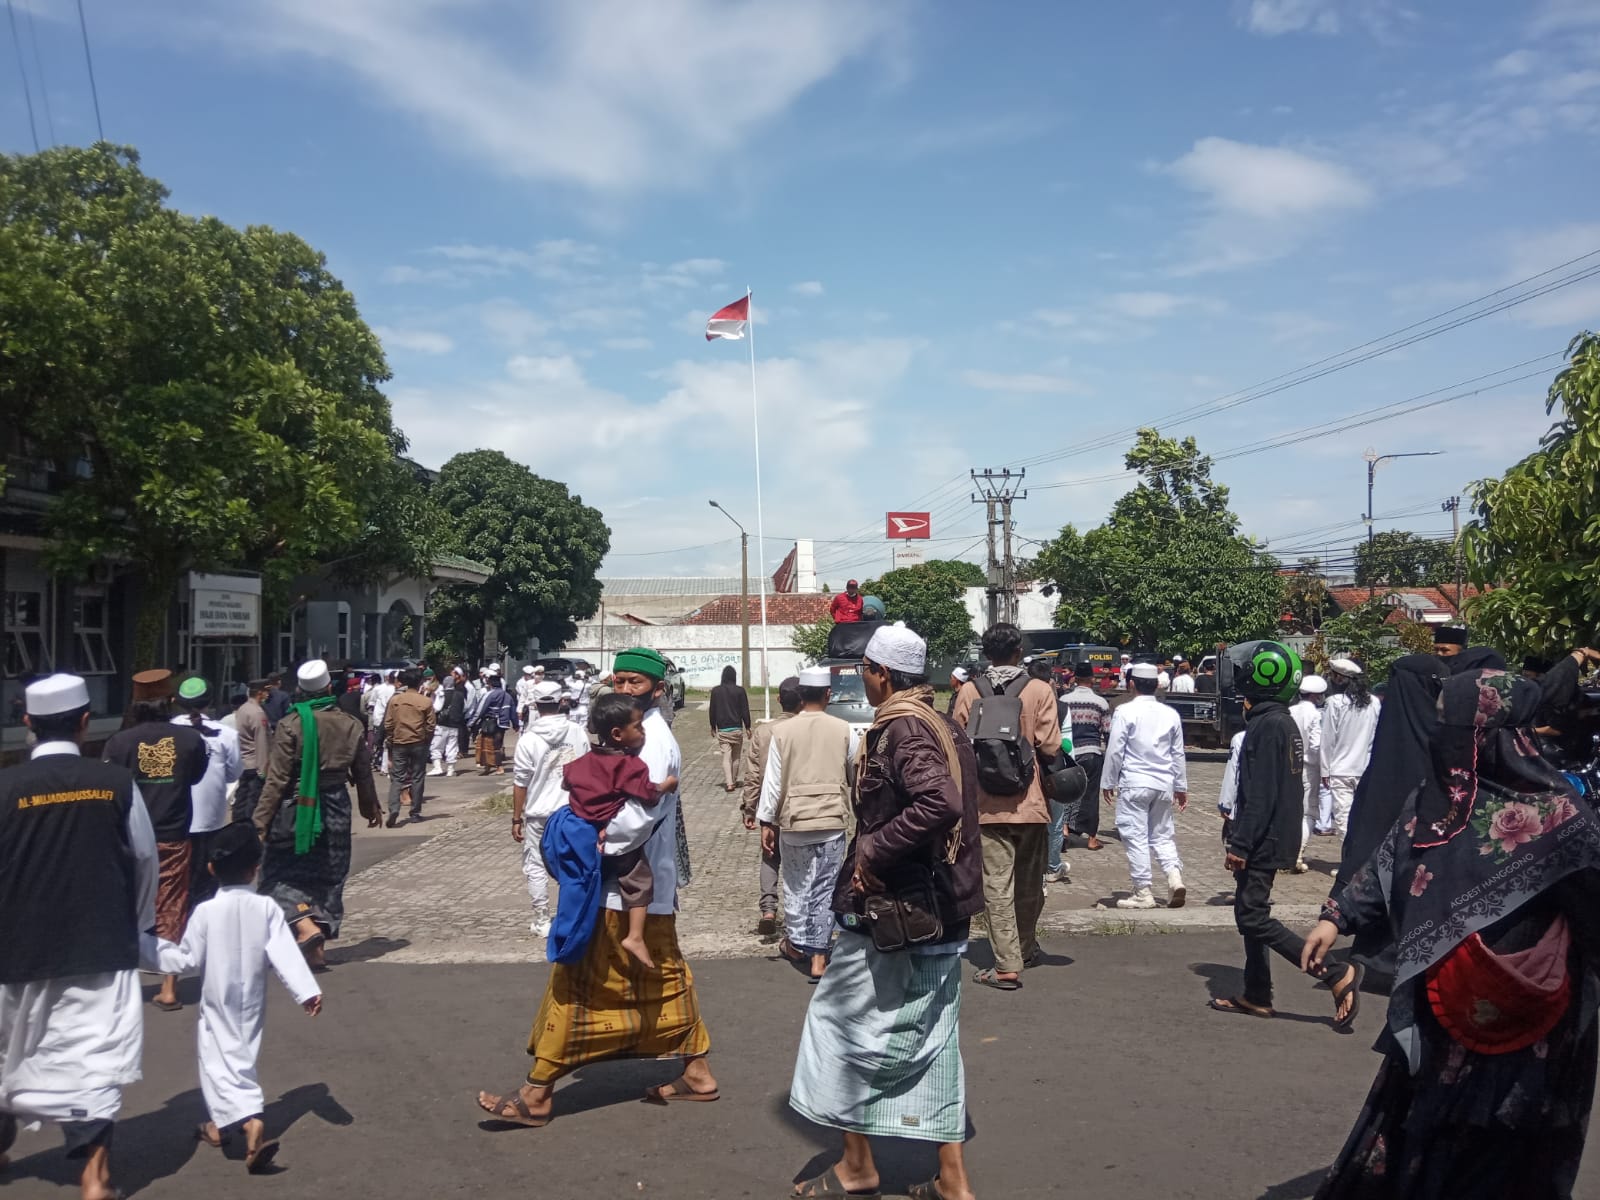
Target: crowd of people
1467	878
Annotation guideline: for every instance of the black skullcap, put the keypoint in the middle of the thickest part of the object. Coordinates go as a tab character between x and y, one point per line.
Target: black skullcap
235	848
1449	635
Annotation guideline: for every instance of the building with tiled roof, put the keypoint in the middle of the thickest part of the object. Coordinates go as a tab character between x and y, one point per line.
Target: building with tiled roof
1427	605
781	610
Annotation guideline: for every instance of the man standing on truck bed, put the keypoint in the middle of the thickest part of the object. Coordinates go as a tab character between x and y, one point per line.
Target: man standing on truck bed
846	606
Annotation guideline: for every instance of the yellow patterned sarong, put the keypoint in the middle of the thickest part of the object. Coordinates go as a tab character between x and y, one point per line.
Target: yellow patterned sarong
609	1006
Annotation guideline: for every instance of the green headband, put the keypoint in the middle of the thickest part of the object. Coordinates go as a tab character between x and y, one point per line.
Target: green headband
643	660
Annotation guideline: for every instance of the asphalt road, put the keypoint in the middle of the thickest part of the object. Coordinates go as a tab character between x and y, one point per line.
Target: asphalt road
1105	1077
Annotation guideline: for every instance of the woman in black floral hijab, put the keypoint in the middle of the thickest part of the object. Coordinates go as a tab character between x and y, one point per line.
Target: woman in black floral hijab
1490	884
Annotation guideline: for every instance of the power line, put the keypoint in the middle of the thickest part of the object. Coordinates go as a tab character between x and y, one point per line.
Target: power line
44	88
22	73
94	92
676	550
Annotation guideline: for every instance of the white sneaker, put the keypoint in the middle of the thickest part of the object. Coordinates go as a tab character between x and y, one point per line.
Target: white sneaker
1176	892
436	771
1300	868
450	773
1140	899
540	927
1058	874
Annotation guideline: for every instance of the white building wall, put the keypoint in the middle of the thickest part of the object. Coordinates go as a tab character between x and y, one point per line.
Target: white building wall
1034	610
700	651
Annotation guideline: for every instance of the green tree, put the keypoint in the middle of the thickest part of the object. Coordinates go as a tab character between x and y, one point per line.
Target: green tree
544	544
812	640
209	395
1366	633
958	571
1397	558
926	597
1168	568
1536	535
1305	595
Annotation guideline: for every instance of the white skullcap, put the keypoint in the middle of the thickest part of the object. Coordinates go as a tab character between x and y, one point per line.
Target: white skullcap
896	647
1345	666
1145	671
1313	685
546	692
538	669
493	668
56	694
1177	658
1127	658
528	669
816	677
961	674
313	676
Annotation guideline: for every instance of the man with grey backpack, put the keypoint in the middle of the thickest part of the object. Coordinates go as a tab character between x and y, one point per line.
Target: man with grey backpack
1012	722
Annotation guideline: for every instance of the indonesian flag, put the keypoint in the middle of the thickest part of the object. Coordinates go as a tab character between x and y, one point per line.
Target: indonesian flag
729	322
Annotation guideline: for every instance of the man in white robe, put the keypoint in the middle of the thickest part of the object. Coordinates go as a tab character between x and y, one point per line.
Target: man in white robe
78	874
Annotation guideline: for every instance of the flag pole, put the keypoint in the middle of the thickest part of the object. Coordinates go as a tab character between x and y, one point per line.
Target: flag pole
761	533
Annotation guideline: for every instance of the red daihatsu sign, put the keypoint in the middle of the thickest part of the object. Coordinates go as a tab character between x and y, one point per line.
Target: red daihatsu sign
909	525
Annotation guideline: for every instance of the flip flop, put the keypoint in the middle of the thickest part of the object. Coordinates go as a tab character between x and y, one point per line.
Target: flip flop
1353	990
519	1114
1233	1004
678	1090
926	1191
258	1162
200	1135
168	1005
989	977
827	1187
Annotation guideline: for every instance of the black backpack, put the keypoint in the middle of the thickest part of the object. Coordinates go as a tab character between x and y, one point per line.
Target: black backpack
1005	760
454	709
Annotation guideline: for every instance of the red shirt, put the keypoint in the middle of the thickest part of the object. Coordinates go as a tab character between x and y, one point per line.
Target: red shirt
601	783
846	609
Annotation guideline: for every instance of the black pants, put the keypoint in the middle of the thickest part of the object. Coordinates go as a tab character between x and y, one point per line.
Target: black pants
246	795
464	736
1087	822
409	770
1264	935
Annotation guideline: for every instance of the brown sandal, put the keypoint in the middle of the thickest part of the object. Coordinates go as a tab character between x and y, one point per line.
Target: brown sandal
828	1187
1237	1004
258	1160
679	1089
513	1110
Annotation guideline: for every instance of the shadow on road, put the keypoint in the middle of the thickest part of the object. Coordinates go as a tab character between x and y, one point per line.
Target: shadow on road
902	1162
1298	1188
366	951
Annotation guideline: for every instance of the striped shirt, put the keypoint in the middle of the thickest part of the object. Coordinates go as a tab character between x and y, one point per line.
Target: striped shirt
1087	717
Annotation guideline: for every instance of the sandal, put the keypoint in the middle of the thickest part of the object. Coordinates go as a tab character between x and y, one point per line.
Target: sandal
168	1005
258	1160
1237	1004
787	950
1353	990
989	977
513	1110
679	1089
926	1191
201	1134
827	1187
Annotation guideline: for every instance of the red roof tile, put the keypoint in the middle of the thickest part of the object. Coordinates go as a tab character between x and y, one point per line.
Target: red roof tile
782	609
1346	598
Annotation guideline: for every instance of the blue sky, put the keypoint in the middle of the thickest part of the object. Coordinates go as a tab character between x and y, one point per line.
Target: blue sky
977	234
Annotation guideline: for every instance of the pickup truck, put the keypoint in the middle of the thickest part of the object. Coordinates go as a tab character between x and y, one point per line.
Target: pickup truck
1214	711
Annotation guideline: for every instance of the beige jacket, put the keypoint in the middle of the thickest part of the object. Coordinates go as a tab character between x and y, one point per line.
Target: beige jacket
1039	726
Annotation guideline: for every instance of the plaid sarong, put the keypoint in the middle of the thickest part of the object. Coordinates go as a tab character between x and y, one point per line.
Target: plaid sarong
608	1006
881	1050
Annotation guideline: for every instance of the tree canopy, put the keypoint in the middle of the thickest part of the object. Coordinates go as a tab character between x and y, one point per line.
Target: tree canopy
544	544
1167	569
927	597
1536	533
1367	634
1397	558
209	395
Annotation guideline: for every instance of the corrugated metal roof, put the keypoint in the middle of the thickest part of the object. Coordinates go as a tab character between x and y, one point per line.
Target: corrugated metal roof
461	563
669	585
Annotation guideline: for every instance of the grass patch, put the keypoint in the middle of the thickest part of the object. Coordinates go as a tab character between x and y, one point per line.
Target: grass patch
500	802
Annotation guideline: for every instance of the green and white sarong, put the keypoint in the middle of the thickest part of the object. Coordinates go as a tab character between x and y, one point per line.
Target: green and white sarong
881	1050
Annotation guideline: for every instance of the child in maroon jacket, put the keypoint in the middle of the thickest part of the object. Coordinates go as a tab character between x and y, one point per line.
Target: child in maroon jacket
600	783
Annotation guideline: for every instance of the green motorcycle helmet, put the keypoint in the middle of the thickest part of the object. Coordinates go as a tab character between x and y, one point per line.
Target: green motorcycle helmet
1266	670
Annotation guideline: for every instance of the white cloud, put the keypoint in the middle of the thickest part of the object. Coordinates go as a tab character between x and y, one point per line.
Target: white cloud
609	96
690	273
418	341
1267	182
1514	65
627	344
1146	306
1572	308
809	287
1562	16
1272	18
1023	383
512	324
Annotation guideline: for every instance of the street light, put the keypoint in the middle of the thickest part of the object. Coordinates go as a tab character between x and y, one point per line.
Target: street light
744	591
1373	459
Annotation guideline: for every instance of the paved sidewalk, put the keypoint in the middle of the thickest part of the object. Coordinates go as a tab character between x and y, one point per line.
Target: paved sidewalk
458	894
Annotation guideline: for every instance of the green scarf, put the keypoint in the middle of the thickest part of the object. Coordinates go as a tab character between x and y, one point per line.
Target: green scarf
308	796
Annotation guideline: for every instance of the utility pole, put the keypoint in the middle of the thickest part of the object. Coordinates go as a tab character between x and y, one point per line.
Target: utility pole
1453	507
1373	459
996	491
744	597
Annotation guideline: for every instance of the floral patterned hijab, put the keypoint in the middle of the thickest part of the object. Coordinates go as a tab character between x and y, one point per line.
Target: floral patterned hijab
1487	772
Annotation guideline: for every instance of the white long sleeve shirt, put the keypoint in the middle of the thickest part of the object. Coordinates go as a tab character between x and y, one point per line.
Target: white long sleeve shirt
1347	733
1229	795
224	765
1145	748
1182	684
1309	718
653	827
547	744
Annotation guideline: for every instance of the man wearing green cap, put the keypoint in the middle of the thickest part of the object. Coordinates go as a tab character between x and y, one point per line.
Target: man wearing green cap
604	1007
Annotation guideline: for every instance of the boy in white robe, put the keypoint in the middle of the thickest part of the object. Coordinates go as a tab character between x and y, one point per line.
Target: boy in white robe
231	938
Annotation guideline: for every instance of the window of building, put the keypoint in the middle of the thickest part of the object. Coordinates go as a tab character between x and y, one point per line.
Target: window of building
27	650
90	633
343	653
